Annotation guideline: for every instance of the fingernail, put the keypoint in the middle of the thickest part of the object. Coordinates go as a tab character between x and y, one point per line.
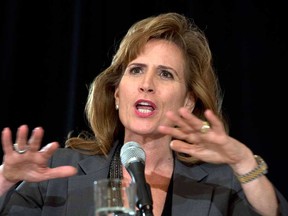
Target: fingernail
45	148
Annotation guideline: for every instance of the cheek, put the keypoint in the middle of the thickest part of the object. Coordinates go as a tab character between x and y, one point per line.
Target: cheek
125	91
175	97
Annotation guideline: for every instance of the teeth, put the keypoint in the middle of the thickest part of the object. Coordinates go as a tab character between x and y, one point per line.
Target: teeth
144	103
144	110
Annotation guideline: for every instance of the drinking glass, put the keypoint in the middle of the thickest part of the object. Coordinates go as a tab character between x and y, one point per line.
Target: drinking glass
114	197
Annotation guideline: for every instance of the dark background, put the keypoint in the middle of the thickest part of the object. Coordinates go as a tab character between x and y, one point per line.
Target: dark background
51	50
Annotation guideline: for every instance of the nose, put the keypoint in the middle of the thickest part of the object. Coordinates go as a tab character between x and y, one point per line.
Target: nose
149	90
147	85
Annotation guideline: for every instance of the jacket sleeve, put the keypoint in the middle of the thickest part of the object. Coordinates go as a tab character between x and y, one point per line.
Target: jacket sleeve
283	204
23	200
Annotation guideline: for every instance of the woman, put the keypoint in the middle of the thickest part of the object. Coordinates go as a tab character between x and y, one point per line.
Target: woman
161	92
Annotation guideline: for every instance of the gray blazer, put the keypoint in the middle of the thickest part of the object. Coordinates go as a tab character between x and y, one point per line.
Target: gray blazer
199	190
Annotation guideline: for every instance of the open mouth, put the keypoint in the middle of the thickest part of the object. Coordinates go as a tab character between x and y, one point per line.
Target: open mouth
145	107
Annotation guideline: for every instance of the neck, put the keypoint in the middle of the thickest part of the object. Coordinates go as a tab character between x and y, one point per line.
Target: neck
157	149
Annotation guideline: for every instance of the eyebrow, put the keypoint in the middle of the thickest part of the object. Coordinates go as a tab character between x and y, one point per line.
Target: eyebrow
136	64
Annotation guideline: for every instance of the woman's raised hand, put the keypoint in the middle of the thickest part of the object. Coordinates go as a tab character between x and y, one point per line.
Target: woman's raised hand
24	160
207	141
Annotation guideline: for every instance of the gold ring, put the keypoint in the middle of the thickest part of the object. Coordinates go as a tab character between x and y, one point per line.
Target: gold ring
20	151
205	127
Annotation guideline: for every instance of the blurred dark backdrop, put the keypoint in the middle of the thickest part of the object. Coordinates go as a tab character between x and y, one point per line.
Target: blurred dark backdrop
51	50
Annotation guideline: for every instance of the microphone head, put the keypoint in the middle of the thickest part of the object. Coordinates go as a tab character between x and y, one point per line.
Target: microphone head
132	152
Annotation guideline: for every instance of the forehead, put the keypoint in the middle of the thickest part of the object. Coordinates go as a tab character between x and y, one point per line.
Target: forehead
164	52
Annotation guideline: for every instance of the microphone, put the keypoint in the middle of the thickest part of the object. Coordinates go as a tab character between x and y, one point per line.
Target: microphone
133	158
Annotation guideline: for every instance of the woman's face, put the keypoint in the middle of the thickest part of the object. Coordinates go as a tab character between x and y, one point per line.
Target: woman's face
152	84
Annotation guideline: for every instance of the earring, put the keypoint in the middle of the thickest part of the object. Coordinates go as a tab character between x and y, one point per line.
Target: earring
117	107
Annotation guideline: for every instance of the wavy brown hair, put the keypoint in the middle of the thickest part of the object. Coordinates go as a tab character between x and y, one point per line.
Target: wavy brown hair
200	77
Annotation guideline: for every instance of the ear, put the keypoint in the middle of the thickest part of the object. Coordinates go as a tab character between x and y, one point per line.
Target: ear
190	102
116	95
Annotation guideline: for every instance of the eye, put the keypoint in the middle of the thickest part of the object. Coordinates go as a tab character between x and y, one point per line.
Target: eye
166	74
135	70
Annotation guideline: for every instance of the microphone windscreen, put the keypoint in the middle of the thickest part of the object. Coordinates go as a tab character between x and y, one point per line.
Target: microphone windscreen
132	152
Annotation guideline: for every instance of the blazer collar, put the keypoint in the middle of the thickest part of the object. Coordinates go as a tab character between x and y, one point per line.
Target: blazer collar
189	195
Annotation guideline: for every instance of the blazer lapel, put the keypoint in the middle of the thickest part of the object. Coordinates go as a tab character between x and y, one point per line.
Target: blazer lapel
190	197
80	188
